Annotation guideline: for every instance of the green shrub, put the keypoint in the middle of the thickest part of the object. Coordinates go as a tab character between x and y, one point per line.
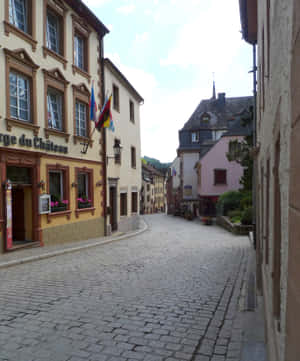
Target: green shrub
229	201
246	218
246	201
236	219
234	213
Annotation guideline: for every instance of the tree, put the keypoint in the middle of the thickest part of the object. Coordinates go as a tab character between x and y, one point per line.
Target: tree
241	152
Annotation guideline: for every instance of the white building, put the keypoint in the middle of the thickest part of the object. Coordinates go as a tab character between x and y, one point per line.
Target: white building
123	170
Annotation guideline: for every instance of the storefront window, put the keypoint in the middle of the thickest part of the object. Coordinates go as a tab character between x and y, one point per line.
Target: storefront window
83	199
56	188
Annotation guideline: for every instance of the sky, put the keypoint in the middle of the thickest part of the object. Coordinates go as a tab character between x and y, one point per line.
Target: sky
170	51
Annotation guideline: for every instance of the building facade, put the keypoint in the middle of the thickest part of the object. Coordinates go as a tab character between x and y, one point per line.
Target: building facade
211	119
147	195
123	170
216	174
157	180
173	187
50	51
275	26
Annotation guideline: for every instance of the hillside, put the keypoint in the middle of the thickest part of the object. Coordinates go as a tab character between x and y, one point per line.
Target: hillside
156	163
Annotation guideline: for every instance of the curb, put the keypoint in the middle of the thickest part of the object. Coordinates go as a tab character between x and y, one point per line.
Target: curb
74	249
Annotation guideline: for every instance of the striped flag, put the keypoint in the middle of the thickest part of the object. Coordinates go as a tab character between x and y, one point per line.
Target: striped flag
93	105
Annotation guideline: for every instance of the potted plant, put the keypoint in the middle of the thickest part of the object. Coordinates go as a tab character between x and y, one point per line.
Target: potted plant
58	205
84	202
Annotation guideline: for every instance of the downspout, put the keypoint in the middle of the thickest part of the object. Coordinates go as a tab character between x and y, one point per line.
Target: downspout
103	143
254	145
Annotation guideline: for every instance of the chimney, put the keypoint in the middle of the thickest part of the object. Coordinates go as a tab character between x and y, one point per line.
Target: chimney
221	100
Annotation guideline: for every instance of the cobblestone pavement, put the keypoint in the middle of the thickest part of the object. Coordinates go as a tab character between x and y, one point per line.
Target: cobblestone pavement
169	294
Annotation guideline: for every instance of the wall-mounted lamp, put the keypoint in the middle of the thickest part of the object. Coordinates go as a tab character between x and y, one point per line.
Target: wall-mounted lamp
41	184
99	184
117	151
74	184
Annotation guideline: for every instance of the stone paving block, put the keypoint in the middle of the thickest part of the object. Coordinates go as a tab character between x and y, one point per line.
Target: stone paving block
144	289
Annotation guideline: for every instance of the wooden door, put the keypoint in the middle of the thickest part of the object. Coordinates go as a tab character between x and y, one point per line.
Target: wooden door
113	208
18	219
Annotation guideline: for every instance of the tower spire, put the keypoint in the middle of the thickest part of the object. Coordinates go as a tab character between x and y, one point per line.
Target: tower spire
214	88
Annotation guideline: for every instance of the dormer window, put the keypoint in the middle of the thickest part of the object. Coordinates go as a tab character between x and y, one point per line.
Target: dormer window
205	118
195	137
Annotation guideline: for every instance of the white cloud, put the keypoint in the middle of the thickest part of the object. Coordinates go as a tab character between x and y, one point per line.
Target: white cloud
142	38
163	113
95	3
126	9
209	41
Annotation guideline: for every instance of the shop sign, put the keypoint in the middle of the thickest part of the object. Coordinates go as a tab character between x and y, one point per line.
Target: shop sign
187	191
45	204
9	242
35	142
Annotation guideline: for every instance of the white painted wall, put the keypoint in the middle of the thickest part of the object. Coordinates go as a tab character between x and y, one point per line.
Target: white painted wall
129	133
190	174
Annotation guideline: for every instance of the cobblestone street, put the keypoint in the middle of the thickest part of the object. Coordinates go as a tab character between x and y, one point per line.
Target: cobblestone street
170	294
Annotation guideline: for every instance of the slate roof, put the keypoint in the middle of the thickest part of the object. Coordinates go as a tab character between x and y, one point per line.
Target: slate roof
220	110
149	169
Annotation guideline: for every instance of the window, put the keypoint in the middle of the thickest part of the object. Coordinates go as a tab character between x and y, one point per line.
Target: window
131	111
53	32
79	52
81	116
123	204
19	19
220	176
148	187
83	191
118	155
133	157
56	188
195	137
81	33
56	99
116	100
18	14
19	90
148	198
54	107
134	202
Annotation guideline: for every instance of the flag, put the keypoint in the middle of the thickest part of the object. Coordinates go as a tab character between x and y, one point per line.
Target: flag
173	172
105	115
93	105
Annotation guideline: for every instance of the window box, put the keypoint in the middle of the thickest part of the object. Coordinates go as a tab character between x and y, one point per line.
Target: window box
84	204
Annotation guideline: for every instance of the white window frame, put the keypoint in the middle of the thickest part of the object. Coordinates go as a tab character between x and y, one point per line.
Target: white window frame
86	177
60	172
195	137
13	19
79	58
18	97
56	33
80	116
51	111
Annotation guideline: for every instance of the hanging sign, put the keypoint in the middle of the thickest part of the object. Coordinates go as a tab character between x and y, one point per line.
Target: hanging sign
9	242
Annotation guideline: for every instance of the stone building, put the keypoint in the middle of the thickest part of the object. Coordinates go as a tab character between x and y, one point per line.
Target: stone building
173	187
275	27
210	120
157	179
50	52
124	168
147	194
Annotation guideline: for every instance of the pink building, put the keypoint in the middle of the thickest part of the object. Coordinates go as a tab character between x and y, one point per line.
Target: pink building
216	174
